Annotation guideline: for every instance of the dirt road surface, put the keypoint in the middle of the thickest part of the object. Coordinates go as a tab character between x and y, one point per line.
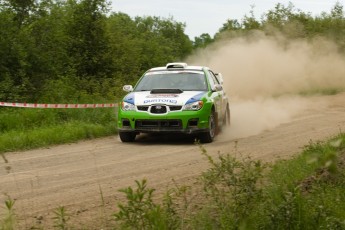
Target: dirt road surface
85	175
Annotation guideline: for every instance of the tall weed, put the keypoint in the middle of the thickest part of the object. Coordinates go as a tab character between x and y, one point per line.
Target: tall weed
61	218
140	212
232	188
8	222
307	192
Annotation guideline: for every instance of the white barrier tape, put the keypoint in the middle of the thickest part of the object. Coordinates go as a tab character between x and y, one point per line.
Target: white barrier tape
57	106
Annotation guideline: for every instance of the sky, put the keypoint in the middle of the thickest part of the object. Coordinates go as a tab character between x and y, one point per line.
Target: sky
208	16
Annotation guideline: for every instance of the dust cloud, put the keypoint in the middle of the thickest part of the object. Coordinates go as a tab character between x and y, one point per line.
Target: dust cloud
264	76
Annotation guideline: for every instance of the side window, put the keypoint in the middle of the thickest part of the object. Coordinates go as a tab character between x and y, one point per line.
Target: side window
213	79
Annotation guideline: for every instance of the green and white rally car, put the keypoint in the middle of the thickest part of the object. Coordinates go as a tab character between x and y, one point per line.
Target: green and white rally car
176	98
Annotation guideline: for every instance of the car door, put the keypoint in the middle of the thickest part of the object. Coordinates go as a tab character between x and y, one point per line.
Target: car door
217	94
225	99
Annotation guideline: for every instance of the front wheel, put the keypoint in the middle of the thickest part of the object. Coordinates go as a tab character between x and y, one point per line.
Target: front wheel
208	136
127	136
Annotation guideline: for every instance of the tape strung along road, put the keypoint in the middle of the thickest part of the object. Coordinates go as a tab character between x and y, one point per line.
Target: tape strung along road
56	106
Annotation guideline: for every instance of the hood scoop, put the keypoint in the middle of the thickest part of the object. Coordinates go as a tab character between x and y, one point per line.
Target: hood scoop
159	91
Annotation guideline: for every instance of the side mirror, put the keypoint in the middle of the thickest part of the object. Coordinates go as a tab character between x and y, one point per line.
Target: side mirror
219	76
217	88
127	88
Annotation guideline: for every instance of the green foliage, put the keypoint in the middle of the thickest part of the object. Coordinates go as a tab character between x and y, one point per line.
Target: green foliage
78	45
88	43
22	119
8	222
52	135
316	156
302	193
202	41
78	48
142	43
177	205
290	22
305	192
31	128
140	212
61	218
318	209
230	25
250	22
232	188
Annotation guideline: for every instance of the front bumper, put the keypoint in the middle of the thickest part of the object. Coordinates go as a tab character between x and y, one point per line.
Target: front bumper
173	122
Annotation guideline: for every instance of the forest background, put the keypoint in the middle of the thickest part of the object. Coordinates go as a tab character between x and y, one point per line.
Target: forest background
79	51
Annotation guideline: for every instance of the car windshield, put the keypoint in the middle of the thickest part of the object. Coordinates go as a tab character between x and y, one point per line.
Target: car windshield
186	81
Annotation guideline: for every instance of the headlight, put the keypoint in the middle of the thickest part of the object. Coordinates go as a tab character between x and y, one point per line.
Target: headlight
127	106
197	105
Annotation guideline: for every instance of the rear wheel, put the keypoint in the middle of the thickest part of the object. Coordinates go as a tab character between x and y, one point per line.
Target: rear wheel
127	136
208	136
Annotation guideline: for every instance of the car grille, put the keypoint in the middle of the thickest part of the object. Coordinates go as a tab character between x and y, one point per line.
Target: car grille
159	108
175	108
143	108
158	124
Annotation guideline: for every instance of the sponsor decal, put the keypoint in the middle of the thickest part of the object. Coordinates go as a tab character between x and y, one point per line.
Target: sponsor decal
196	98
129	98
160	100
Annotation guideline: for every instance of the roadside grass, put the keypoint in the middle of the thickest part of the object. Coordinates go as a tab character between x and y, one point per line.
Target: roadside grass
308	191
305	192
22	129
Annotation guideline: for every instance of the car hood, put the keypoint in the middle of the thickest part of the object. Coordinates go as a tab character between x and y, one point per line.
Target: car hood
147	98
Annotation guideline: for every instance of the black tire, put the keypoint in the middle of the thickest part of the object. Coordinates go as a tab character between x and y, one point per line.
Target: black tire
127	136
208	137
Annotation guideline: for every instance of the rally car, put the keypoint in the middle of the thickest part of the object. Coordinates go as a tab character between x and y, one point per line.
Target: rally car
176	98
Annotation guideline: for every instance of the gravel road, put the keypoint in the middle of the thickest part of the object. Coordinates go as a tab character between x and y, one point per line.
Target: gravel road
85	177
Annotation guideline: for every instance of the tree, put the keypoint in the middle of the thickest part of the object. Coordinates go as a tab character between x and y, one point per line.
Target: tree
202	41
279	16
250	22
13	56
337	12
88	42
125	47
231	25
22	9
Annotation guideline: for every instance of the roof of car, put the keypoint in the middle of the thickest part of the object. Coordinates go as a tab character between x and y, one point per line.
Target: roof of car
177	66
